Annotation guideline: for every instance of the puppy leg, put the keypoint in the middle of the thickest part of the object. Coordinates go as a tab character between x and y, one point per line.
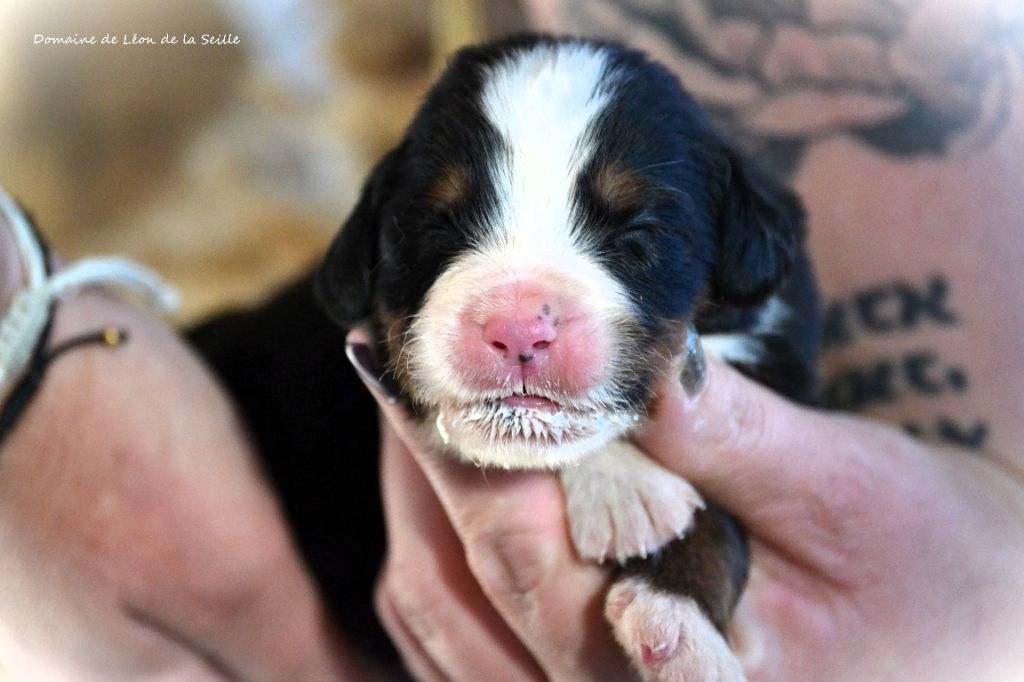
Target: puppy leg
671	612
621	504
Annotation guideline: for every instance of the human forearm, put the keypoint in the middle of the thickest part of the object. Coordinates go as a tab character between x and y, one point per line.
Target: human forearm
129	477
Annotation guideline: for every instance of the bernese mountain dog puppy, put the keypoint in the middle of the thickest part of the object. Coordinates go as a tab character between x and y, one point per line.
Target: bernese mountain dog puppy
530	260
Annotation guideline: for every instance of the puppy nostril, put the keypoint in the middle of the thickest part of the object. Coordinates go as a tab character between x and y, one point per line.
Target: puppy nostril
541	345
499	345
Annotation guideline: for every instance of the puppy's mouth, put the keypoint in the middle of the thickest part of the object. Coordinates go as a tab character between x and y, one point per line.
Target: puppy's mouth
531	402
530	420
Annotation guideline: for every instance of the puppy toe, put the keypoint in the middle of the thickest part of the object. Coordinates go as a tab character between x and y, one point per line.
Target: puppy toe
667	636
623	505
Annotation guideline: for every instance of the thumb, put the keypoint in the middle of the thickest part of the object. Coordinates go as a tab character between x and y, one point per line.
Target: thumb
762	457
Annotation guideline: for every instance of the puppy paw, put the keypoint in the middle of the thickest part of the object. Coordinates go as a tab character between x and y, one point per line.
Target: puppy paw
667	636
622	505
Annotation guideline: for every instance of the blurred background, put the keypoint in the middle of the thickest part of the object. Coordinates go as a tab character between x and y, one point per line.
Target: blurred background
227	167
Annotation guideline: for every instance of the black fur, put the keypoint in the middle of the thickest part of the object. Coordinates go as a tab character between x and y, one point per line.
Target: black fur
347	289
759	229
711	564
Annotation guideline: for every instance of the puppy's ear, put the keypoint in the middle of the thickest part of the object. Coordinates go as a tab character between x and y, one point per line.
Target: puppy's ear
760	225
344	282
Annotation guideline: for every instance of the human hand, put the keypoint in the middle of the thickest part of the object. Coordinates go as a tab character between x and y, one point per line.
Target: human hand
140	539
875	556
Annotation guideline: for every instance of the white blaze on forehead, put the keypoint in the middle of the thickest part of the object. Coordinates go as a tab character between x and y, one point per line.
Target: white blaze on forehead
543	102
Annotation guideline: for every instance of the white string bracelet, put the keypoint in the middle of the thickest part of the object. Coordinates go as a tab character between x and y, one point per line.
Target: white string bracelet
30	308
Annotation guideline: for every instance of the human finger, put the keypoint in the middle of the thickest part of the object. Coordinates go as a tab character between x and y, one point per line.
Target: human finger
429	600
796	477
513	530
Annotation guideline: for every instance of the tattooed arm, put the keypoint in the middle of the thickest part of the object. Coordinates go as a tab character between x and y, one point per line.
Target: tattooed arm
901	123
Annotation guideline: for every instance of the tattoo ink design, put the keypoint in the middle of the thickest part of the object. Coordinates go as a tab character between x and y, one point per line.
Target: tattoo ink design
971	437
887	308
895	308
907	77
886	381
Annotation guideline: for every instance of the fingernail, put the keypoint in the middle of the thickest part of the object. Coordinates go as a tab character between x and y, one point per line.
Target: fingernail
694	374
361	357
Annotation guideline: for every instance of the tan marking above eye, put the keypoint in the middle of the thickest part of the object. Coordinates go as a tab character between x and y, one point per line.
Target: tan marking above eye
450	189
619	187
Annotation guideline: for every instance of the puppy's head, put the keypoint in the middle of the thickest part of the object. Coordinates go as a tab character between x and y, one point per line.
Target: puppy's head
530	254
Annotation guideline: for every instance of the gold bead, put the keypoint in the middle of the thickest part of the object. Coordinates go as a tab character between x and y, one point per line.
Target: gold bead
112	336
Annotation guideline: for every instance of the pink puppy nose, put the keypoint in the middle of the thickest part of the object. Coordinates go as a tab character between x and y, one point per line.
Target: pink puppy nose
520	335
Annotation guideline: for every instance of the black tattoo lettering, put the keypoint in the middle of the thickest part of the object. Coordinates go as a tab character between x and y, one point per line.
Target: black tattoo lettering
919	369
835	330
879	309
945	430
856	388
886	381
957	379
973	436
914	430
886	308
928	303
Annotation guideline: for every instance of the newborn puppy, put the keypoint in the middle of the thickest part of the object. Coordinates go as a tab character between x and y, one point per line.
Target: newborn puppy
530	258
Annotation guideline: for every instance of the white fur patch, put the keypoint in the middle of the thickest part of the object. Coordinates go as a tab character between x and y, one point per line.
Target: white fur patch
543	102
622	505
747	347
668	637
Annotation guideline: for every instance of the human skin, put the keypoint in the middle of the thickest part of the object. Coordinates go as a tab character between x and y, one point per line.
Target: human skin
876	555
139	538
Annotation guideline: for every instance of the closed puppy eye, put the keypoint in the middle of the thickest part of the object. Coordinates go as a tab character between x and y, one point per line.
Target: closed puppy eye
640	230
636	242
645	225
